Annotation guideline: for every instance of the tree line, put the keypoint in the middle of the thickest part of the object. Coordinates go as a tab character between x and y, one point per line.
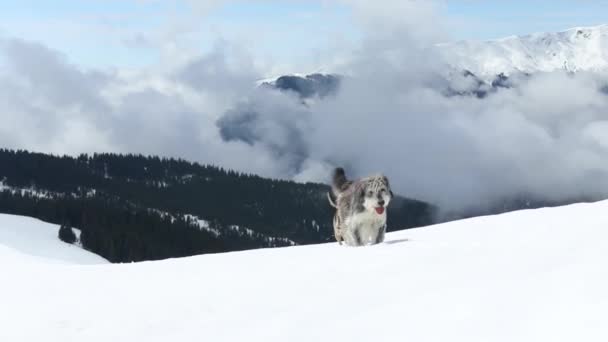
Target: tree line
134	207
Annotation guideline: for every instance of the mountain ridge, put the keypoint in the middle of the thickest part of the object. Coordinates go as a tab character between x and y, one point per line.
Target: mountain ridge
581	48
574	49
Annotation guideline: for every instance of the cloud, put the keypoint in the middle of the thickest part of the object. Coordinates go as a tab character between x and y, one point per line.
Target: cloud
277	122
43	96
53	106
226	69
540	138
418	21
204	7
460	151
138	40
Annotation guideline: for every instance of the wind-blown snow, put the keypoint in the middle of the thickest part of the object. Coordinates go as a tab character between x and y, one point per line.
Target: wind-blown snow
31	240
576	49
538	275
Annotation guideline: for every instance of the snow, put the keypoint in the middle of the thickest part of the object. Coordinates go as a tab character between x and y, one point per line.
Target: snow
31	240
202	224
31	191
42	193
535	275
206	226
576	49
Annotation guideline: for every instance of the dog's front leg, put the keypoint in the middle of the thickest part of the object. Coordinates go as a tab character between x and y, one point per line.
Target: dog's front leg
352	236
381	233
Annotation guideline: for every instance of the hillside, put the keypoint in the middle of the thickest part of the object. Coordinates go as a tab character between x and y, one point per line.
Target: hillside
135	208
537	275
24	239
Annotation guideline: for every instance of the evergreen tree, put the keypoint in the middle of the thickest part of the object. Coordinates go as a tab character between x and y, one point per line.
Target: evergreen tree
66	234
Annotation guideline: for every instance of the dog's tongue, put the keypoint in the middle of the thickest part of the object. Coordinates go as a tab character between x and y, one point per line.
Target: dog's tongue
380	210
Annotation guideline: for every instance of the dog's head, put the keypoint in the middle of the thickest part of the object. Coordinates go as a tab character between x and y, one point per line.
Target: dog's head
376	194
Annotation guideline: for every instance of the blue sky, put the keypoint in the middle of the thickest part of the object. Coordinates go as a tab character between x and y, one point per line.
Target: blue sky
493	19
135	33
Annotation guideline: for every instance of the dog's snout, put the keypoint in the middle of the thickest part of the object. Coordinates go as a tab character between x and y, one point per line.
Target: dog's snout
381	202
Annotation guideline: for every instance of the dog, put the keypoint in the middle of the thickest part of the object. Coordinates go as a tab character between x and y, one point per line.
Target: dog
360	217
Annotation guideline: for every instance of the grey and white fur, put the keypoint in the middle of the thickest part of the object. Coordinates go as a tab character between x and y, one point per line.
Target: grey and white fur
360	217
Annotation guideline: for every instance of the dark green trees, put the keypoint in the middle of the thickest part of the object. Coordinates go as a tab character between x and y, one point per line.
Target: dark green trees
134	207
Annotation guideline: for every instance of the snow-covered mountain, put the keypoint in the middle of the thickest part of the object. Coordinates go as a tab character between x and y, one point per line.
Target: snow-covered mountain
481	67
575	49
536	275
580	48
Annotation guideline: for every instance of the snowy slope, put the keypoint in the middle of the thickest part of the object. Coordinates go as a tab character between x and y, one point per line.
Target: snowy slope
580	48
24	239
536	275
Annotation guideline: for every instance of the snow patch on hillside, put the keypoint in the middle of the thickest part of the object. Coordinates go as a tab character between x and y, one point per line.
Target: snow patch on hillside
27	239
34	191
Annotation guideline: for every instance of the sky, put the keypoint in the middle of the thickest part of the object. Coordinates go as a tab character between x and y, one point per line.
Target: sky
172	78
285	34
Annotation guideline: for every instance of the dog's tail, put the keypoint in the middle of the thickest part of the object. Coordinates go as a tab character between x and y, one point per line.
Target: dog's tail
331	200
339	181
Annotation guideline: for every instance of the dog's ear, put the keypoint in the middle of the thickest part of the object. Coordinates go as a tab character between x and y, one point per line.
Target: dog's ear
360	198
361	192
385	180
339	180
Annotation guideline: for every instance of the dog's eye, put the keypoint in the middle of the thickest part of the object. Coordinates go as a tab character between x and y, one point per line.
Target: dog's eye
369	193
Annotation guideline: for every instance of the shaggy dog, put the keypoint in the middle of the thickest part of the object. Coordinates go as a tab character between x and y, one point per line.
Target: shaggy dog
360	217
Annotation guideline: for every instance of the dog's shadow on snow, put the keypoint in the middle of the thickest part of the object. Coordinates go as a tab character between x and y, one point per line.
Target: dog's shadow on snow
393	242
